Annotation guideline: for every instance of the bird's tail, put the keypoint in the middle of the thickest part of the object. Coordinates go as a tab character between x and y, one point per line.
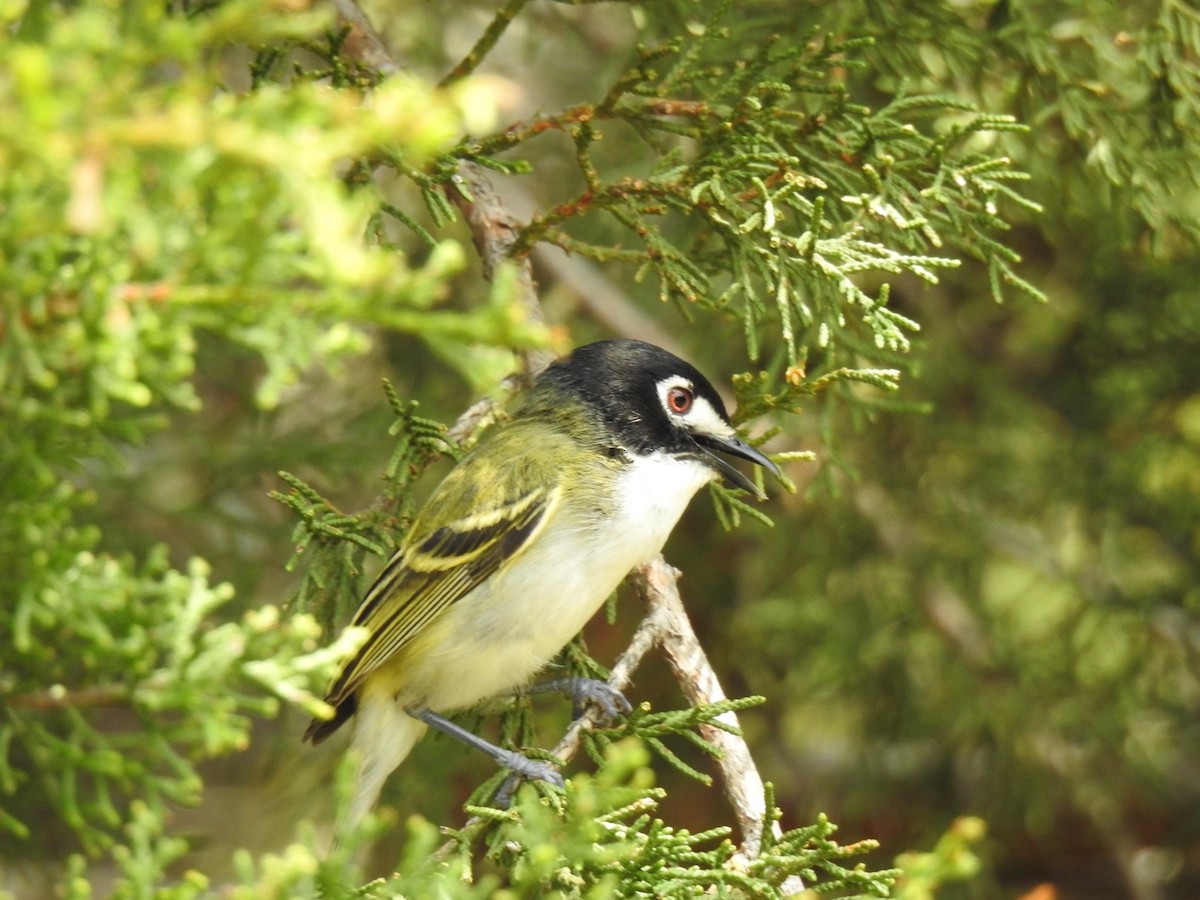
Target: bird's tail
384	735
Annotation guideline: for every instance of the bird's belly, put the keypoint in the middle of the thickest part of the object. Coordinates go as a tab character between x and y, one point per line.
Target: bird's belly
494	640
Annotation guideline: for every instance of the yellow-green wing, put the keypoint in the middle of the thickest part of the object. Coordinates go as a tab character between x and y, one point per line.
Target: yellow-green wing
461	537
430	573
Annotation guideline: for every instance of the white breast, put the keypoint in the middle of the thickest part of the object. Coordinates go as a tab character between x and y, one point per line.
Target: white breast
495	639
653	491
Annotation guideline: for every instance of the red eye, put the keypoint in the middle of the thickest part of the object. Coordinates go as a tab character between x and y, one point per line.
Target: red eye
679	400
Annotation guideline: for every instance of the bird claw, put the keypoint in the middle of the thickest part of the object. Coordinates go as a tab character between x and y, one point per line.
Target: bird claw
611	703
607	699
522	768
534	770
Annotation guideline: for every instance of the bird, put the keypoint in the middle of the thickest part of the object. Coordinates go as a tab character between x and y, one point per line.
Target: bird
521	544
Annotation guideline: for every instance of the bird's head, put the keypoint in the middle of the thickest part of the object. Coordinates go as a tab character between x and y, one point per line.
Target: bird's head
651	401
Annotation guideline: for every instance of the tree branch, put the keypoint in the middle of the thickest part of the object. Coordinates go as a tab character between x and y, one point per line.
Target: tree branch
658	585
364	42
494	229
666	625
59	697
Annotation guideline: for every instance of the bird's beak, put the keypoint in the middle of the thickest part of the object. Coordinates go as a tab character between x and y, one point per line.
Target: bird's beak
735	446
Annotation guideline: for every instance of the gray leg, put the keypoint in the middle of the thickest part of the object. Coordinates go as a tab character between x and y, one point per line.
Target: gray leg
532	769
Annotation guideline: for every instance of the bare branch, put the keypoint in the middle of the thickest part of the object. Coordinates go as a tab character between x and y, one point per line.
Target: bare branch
59	697
364	42
494	229
657	584
647	636
666	624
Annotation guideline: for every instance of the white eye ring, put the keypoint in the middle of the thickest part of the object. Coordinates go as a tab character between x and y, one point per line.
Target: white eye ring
689	410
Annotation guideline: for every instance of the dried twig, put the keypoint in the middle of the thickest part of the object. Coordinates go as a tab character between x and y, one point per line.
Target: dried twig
666	625
59	697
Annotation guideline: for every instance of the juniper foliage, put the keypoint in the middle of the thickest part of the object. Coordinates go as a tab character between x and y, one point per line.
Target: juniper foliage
202	181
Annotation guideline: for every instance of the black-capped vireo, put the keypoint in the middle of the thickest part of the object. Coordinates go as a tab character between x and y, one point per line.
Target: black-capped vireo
522	543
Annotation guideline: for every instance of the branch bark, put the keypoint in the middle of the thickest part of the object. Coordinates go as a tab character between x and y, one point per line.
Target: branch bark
494	230
666	625
59	697
364	42
658	585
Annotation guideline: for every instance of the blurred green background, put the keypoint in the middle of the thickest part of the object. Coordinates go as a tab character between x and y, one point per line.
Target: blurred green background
983	599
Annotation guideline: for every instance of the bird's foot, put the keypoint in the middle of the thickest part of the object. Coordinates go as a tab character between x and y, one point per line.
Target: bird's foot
611	703
530	769
522	766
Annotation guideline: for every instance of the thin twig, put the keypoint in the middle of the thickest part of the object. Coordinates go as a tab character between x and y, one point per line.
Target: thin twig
645	639
499	24
657	583
666	625
59	697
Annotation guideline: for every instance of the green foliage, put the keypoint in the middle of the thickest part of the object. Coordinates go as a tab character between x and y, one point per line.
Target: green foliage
652	728
146	646
602	839
160	207
1129	70
997	611
334	564
1110	90
953	858
769	193
170	203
